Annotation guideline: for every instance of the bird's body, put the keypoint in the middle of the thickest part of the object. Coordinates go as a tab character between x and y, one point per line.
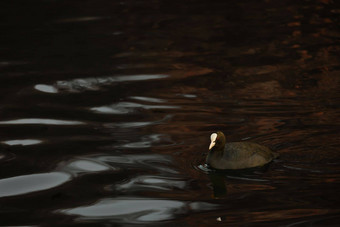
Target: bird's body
237	155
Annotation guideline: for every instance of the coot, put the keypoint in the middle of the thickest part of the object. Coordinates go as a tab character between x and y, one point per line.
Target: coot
237	155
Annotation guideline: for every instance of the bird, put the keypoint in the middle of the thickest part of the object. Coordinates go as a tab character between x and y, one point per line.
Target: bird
237	155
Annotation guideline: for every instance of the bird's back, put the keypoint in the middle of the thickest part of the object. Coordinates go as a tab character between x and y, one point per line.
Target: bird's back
242	150
241	155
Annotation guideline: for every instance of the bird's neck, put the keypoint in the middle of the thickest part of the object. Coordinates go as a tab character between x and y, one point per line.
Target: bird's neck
217	151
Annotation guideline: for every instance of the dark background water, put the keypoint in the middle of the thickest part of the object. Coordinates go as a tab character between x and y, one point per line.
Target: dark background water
106	108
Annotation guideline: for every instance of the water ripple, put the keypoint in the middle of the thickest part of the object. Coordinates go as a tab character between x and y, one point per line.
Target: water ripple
80	19
146	142
46	88
127	107
93	83
84	166
136	124
150	182
40	121
149	161
31	183
148	99
136	210
24	142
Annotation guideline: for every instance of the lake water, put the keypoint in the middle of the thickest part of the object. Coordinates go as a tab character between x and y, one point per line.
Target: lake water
106	110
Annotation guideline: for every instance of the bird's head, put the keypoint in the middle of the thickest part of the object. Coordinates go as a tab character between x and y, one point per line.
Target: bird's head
217	141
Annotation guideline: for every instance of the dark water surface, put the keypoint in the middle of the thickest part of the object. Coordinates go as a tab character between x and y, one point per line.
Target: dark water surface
106	109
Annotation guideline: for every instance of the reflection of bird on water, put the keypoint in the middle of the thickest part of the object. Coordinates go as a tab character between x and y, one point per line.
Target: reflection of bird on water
237	155
218	184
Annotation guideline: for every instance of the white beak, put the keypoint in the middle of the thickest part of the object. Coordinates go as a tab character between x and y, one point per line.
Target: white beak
212	144
213	138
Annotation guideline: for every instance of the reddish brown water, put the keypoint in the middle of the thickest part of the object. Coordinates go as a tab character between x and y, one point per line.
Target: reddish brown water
106	109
